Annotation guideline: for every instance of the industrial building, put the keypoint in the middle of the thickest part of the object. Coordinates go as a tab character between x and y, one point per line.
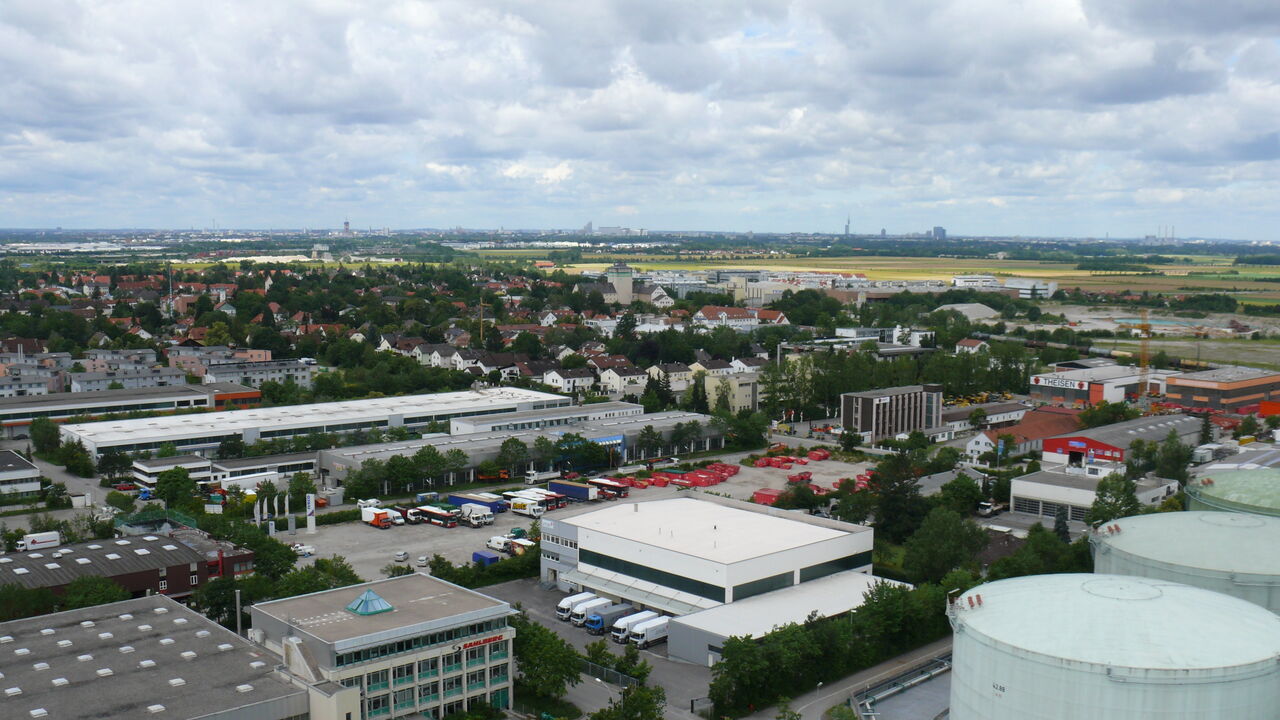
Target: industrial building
16	413
19	477
698	638
1108	647
141	564
617	434
540	419
1089	386
1041	493
1254	490
1231	553
1109	443
244	473
201	433
886	413
1238	390
407	645
705	559
141	658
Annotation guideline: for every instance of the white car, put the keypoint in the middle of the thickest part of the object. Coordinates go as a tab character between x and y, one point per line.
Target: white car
402	556
423	560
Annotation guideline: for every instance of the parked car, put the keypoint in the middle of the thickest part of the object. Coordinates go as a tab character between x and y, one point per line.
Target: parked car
402	556
423	560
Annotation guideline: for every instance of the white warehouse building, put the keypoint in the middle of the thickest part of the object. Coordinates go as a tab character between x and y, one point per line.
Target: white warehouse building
685	555
1111	647
1232	553
202	433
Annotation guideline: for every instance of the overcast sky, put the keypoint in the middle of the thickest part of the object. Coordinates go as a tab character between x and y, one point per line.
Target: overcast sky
1039	117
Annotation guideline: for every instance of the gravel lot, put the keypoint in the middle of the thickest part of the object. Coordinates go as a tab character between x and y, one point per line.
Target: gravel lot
369	549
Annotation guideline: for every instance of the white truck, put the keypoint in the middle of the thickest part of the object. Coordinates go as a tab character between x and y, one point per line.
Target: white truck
583	609
534	477
565	607
526	507
499	543
622	626
39	541
475	515
649	632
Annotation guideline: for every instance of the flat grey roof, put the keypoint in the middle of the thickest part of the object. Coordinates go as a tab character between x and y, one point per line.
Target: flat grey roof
169	462
258	365
1122	434
550	413
1079	481
106	558
266	460
142	643
416	599
102	396
707	530
1230	374
465	401
886	392
11	461
482	441
759	615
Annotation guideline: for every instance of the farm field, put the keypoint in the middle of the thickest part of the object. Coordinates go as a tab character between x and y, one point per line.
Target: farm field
1254	353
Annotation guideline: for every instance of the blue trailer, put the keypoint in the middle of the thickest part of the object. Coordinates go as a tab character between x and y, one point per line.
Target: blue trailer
485	558
495	506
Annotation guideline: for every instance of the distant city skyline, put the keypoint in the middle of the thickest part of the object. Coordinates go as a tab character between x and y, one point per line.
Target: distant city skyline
1061	118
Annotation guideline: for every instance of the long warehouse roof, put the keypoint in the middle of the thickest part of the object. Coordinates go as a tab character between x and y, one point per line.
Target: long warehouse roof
293	415
706	530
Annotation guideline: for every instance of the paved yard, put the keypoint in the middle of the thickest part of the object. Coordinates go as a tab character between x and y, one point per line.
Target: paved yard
682	681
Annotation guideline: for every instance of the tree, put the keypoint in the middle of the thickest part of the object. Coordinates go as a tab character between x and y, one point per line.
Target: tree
1116	497
649	441
1106	413
1206	429
548	664
44	435
513	455
216	599
899	507
396	570
167	450
76	459
114	464
944	542
89	590
455	461
1060	527
219	334
960	495
231	448
175	487
978	418
637	702
544	449
1248	426
324	574
300	486
17	602
120	501
1173	458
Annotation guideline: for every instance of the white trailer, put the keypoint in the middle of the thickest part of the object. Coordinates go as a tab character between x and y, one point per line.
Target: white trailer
565	608
650	632
622	628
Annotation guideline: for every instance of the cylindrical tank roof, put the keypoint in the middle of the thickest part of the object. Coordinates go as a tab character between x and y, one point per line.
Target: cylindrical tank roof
1216	542
1113	622
1254	491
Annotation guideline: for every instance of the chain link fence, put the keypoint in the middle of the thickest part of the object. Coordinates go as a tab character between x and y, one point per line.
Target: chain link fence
607	674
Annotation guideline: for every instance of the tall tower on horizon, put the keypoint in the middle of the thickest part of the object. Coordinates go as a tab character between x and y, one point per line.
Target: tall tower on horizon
847	218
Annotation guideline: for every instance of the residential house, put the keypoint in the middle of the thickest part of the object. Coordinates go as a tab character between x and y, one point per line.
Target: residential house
677	375
1028	434
972	346
623	380
570	381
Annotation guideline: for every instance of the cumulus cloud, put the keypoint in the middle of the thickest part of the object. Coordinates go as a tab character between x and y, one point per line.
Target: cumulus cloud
1076	117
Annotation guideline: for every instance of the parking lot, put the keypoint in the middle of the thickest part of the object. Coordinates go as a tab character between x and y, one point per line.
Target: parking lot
369	549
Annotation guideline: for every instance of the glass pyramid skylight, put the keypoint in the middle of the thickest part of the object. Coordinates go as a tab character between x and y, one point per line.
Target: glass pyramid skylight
369	603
